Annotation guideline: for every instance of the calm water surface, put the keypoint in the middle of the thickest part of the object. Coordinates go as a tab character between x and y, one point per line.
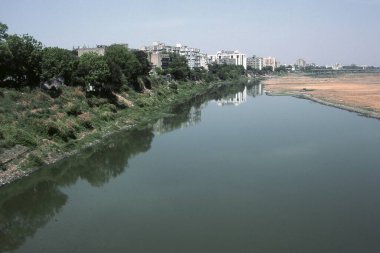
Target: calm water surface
246	173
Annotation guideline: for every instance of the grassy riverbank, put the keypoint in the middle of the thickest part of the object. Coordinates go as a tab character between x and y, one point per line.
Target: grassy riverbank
353	92
39	129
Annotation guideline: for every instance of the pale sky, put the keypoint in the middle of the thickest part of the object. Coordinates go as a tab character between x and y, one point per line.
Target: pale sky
323	31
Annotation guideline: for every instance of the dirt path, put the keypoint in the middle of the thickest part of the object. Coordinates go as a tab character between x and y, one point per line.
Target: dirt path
354	92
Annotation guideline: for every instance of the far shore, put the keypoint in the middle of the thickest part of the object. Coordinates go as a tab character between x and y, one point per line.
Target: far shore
358	93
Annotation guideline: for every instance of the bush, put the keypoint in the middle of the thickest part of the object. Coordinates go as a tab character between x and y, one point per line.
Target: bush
85	120
73	109
107	116
59	129
173	86
33	161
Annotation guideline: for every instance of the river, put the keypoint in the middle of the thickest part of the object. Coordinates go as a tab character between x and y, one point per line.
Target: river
240	172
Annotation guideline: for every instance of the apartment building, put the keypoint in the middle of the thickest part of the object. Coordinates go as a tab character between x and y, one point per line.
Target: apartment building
99	49
229	57
158	51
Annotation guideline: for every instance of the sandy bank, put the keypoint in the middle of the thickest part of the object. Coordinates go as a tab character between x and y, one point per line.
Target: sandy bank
353	92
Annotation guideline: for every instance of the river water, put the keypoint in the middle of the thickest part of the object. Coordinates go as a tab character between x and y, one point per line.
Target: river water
240	172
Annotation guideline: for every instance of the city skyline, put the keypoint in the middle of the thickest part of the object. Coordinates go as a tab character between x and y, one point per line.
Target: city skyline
323	32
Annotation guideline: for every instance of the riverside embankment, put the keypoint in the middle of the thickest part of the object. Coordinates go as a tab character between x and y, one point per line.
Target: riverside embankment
38	129
358	93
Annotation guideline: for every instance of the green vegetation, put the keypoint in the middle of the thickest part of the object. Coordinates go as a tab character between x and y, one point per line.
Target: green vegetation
58	62
95	94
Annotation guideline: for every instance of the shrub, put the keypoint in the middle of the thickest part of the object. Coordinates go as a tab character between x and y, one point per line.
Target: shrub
85	120
59	129
73	108
33	161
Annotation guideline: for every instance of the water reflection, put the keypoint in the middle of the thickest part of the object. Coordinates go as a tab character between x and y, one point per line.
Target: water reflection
167	124
32	203
241	96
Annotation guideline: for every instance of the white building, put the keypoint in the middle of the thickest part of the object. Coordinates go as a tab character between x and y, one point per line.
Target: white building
300	63
255	62
270	61
194	57
204	61
99	49
229	57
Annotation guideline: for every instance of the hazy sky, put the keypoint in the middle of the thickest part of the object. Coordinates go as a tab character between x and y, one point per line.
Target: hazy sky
323	31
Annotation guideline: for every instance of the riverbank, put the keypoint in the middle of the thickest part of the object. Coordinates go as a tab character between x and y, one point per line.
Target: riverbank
39	130
358	93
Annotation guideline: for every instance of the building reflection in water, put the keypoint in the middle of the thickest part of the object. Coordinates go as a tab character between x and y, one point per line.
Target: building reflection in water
190	118
241	97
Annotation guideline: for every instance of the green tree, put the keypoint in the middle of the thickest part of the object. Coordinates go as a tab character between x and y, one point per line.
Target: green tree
92	70
197	74
58	62
225	71
3	31
145	65
26	54
5	61
124	66
267	69
178	67
280	69
5	53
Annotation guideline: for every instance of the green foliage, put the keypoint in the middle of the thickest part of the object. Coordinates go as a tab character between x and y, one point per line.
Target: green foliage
267	69
124	66
24	60
281	69
57	62
178	67
60	129
145	65
92	70
3	31
11	135
198	74
5	53
5	60
33	161
225	72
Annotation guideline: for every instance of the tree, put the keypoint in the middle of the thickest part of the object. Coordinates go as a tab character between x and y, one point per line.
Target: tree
92	70
58	62
267	69
281	69
145	65
3	31
197	74
5	61
24	64
5	53
178	67
124	66
225	71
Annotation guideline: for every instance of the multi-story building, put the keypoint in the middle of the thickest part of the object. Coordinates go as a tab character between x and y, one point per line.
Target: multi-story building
99	49
270	61
301	63
255	62
204	61
229	57
159	51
